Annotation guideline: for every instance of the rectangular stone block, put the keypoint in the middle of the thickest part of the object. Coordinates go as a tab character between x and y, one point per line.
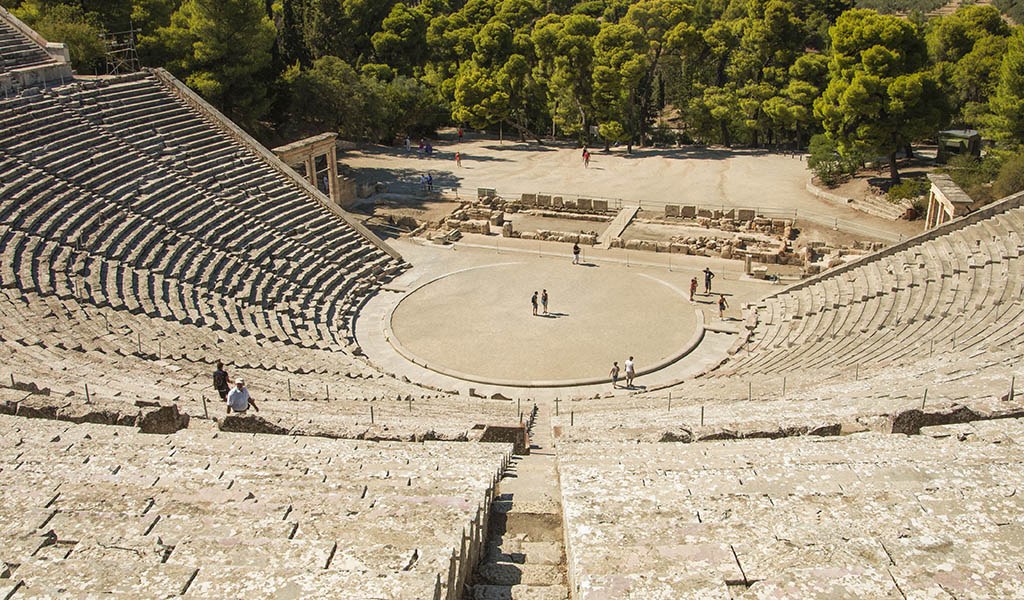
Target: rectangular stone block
600	206
529	199
745	214
707	214
584	204
688	212
482	193
570	203
556	201
543	200
671	210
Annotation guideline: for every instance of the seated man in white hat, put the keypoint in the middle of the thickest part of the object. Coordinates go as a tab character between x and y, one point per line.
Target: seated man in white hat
239	399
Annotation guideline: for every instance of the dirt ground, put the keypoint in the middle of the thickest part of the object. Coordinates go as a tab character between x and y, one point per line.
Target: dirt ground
708	176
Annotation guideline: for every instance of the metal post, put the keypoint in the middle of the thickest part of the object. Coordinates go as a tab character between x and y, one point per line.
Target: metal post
701	415
556	406
750	389
138	338
206	413
856	371
519	406
371	414
572	418
1013	379
327	387
670	402
12	379
925	399
159	348
783	387
87	397
289	388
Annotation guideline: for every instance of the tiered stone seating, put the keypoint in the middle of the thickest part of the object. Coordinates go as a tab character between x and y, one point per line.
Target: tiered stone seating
90	510
862	516
933	324
141	241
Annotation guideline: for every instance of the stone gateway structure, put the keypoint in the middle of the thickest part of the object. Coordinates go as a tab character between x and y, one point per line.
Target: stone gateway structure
307	152
946	201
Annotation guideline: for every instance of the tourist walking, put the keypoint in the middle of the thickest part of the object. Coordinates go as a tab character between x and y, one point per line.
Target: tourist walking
708	276
460	135
722	305
614	374
408	144
239	399
630	372
430	185
575	254
586	159
533	301
544	300
458	159
693	288
221	382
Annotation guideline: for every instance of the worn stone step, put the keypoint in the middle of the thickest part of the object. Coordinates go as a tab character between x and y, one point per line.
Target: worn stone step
514	550
520	592
506	573
536	527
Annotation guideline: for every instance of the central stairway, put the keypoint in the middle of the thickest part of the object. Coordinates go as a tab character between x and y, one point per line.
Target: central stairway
524	557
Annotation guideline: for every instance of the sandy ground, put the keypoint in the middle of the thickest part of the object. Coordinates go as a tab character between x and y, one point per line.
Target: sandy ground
714	177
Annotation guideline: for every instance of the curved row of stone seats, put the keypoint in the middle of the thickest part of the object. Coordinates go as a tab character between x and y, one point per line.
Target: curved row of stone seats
861	516
963	290
59	345
89	510
947	385
164	212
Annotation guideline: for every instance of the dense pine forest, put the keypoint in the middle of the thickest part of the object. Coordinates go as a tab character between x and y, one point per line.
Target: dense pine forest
763	73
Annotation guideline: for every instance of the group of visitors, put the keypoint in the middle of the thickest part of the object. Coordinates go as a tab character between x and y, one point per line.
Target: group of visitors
237	398
708	276
630	368
543	302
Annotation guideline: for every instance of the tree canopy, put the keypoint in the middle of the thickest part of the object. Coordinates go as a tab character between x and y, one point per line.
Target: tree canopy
752	72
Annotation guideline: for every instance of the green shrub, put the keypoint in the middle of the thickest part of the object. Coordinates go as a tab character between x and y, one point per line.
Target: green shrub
907	189
1010	179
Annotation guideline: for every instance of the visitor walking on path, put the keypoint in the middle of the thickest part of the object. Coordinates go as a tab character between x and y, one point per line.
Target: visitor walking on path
533	301
239	399
544	301
693	288
630	372
458	159
575	254
722	305
708	276
614	374
430	185
586	159
221	382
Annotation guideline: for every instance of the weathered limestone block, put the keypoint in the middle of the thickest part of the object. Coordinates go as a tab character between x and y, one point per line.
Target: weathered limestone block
677	248
705	213
249	423
506	229
588	239
529	199
497	218
688	212
584	204
726	251
600	205
515	435
165	418
475	226
570	203
543	200
745	214
616	243
633	244
557	202
101	413
911	421
671	210
662	246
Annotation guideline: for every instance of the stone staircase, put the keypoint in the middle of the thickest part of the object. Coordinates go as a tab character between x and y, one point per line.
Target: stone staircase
524	556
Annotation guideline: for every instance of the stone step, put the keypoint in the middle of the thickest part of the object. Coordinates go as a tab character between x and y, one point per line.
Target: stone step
519	592
514	550
507	573
536	527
